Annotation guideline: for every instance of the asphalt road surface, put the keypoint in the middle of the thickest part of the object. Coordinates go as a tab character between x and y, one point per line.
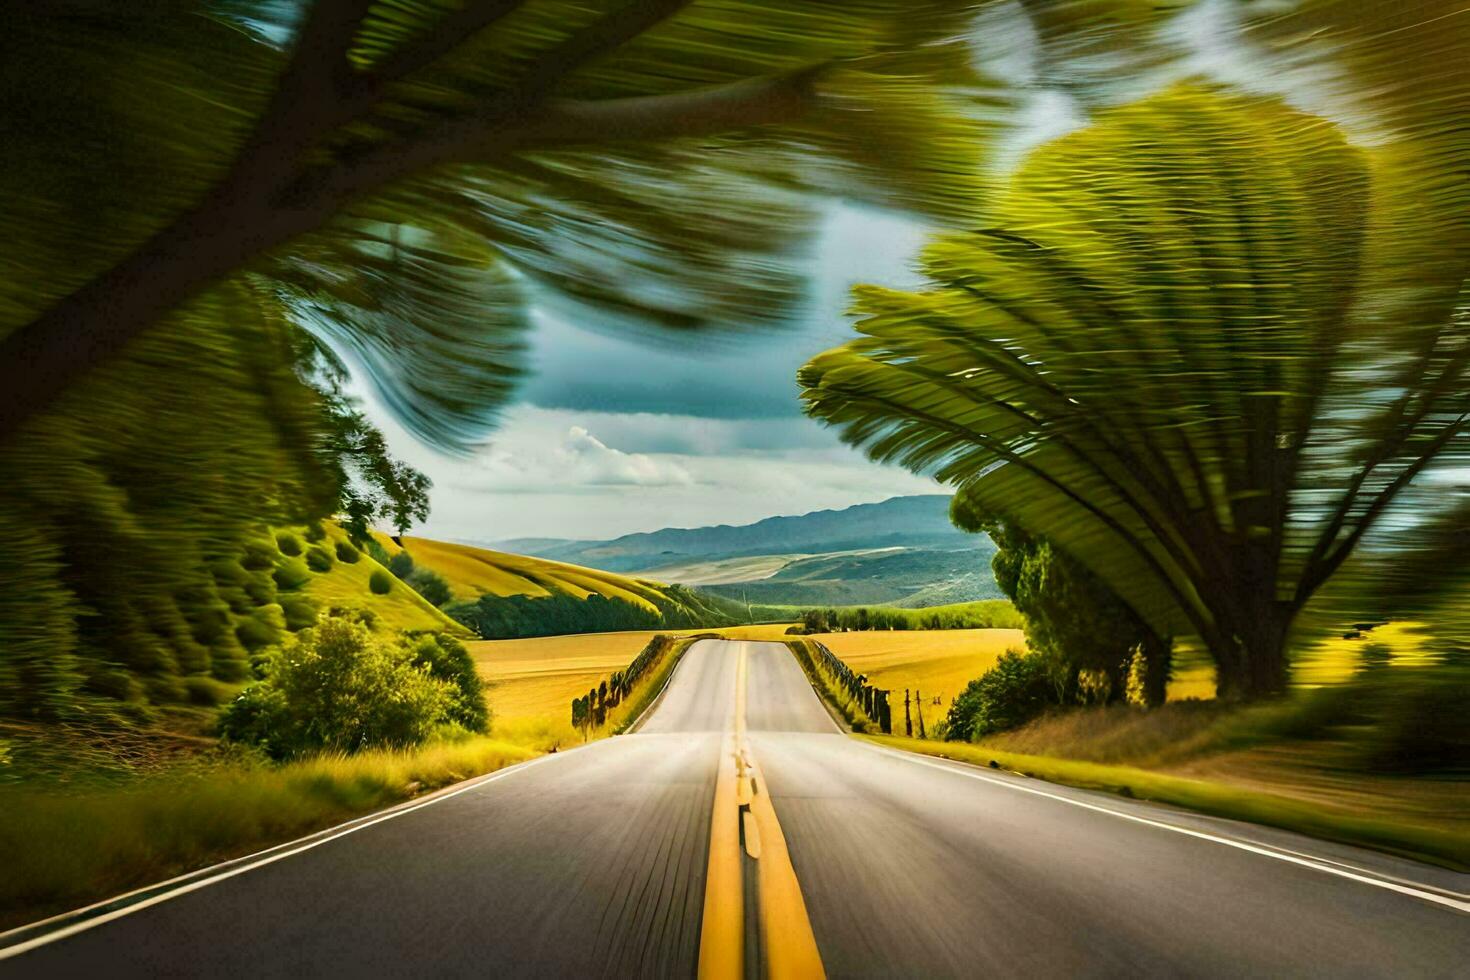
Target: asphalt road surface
592	863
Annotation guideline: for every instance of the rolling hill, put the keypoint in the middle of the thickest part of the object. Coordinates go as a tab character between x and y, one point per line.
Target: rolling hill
903	551
501	595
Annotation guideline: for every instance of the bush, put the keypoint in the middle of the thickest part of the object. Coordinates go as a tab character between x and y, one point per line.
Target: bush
380	582
318	559
1006	696
447	660
258	556
1419	720
347	554
401	565
257	632
291	574
300	613
288	544
430	585
315	532
338	688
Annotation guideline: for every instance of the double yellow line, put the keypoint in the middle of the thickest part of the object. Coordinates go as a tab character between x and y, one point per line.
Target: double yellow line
742	804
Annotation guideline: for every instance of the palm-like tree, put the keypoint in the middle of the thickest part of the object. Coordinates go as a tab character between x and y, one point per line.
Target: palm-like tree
1177	356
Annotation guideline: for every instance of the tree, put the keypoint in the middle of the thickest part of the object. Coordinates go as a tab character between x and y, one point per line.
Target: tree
340	688
1169	358
1072	616
399	174
1006	696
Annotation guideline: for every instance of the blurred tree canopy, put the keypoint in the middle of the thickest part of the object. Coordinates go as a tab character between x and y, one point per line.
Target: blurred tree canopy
1192	352
215	208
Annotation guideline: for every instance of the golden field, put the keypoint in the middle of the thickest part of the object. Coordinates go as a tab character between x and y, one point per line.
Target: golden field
938	663
346	584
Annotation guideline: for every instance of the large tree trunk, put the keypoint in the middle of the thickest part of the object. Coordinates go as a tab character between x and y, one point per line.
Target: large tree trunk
1254	664
1157	654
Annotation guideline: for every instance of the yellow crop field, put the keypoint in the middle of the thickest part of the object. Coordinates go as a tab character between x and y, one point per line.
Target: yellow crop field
937	663
531	682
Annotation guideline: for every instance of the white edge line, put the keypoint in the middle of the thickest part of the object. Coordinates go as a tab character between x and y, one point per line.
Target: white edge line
251	862
1316	865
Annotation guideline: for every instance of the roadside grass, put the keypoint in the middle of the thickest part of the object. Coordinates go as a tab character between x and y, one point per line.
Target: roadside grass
1442	845
828	685
65	848
638	700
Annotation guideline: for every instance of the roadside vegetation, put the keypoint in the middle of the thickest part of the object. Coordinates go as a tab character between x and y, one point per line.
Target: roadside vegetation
63	846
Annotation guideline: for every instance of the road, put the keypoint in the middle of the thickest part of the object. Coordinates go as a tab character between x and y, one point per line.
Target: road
593	862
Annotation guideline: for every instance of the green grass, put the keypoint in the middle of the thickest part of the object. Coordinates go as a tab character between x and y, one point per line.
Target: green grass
65	848
1448	848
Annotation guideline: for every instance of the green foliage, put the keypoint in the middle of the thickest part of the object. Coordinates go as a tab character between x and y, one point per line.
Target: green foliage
319	559
985	614
288	544
446	659
315	533
506	617
1072	616
1006	696
258	630
431	585
401	565
300	612
1120	364
380	582
291	574
339	688
347	554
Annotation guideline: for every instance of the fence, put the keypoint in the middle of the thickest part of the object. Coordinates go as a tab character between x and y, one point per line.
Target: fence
873	701
590	710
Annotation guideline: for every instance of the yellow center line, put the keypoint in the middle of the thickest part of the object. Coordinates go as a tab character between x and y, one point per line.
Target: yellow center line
786	931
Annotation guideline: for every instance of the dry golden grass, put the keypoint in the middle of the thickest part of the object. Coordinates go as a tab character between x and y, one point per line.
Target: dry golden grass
938	663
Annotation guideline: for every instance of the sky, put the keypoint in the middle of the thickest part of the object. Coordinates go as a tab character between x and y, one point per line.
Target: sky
610	434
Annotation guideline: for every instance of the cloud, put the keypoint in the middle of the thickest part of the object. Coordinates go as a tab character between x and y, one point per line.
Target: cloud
524	460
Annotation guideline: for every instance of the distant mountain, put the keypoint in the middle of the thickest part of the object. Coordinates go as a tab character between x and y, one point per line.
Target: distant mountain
903	551
900	522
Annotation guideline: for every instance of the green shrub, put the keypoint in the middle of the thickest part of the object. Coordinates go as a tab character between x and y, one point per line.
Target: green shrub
1419	720
315	532
430	585
300	613
338	688
448	660
291	574
318	559
256	633
347	554
261	588
380	582
288	544
206	691
258	556
401	565
1006	696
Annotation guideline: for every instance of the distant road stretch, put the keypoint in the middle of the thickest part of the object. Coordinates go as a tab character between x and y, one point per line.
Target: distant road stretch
594	862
